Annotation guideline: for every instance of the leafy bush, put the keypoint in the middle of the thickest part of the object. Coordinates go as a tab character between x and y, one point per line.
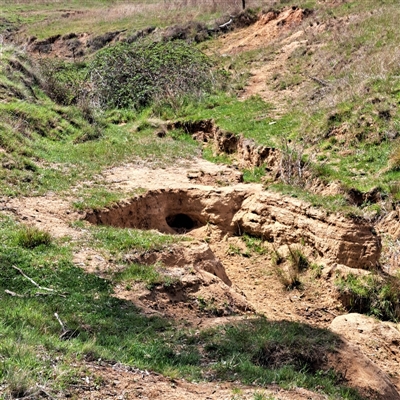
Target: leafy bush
63	81
136	75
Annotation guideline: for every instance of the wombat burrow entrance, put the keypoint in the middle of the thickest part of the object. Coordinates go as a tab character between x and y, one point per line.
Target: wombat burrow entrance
181	222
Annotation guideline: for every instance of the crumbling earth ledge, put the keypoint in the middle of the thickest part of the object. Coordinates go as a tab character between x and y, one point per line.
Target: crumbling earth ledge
284	220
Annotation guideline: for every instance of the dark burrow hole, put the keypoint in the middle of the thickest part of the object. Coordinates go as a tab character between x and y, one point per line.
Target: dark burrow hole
181	222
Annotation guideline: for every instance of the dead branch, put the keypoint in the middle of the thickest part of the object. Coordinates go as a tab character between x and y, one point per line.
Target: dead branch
60	322
13	293
31	280
226	24
66	333
45	392
320	81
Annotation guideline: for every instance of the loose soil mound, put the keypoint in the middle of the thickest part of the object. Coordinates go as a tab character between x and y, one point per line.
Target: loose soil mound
380	340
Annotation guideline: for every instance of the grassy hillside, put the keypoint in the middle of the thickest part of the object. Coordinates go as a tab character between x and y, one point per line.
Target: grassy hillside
63	123
44	19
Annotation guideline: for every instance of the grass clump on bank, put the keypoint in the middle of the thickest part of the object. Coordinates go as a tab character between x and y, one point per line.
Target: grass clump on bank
118	240
31	237
150	275
372	294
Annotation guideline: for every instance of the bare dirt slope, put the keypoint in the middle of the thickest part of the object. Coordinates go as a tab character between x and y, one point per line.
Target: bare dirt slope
120	382
286	31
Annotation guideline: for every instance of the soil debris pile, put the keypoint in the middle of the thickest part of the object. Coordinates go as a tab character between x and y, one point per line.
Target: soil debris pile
197	284
380	340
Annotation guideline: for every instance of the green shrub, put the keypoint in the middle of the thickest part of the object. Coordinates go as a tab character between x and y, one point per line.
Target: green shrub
63	81
137	75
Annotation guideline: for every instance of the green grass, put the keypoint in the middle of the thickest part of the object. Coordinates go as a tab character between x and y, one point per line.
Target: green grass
30	237
250	117
254	244
254	174
209	155
150	275
48	146
261	351
98	196
63	163
332	204
120	240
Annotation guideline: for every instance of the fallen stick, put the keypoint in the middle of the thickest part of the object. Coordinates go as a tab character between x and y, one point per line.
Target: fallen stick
31	280
60	322
66	333
42	390
13	293
320	81
226	24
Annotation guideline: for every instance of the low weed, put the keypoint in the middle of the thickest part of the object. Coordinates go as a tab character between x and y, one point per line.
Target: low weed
234	250
288	269
297	259
263	396
316	270
254	244
255	174
289	279
208	306
293	164
120	240
30	237
209	155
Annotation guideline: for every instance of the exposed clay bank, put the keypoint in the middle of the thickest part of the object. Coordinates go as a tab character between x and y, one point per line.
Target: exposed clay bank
277	219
